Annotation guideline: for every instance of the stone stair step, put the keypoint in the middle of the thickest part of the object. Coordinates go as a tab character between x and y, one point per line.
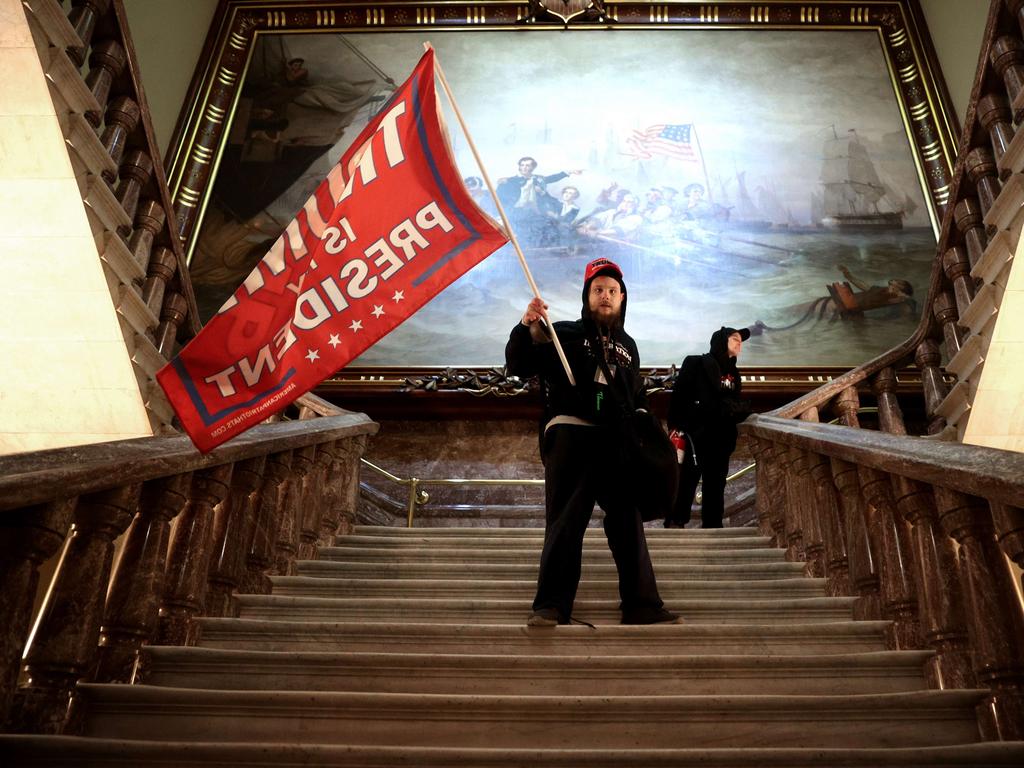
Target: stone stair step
920	718
591	554
576	640
78	752
488	541
492	610
670	589
472	533
519	571
533	674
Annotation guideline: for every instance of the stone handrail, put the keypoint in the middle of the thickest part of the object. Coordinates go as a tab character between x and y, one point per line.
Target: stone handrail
248	509
926	534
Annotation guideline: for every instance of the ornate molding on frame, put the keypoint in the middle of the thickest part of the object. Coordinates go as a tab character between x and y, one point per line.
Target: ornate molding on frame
203	130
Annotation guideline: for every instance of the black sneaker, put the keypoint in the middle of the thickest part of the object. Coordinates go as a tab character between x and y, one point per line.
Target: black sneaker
545	617
650	616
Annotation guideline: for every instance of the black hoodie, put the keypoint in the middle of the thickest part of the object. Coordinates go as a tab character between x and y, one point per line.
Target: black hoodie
706	396
582	340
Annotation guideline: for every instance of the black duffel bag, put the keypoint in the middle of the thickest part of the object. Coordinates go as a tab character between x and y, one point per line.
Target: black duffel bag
652	469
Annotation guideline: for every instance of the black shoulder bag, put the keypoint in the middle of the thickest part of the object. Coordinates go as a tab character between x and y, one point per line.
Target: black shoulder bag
651	466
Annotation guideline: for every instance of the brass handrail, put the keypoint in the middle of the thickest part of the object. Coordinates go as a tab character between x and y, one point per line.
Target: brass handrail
419	497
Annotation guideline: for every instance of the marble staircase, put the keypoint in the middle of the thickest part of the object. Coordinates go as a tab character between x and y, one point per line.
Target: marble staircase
406	647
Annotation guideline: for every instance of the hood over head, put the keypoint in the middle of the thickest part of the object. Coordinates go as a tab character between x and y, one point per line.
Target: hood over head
597	268
720	342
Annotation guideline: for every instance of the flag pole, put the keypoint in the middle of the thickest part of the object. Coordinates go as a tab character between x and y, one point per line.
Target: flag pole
703	165
501	211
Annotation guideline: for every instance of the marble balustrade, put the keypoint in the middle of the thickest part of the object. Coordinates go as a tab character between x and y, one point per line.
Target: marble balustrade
928	535
228	510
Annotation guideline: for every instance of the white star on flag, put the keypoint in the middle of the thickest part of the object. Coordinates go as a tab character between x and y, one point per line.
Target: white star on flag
357	325
334	341
378	310
312	355
399	295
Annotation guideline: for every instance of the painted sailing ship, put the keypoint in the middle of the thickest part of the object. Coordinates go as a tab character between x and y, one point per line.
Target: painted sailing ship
853	196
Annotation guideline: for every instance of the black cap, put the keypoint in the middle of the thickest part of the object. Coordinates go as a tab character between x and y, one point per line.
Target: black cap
743	332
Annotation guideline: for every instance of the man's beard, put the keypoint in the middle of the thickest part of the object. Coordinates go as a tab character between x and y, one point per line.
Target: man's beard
605	319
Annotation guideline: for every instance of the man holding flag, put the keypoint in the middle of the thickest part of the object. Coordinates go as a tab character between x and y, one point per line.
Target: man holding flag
389	228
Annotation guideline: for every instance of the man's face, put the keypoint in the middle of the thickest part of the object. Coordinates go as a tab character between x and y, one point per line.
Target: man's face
628	204
526	167
735	344
604	299
569	194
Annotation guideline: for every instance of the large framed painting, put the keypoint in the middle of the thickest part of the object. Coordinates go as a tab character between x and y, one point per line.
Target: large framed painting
781	166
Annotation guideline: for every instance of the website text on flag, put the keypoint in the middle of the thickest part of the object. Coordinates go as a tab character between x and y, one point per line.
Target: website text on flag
389	228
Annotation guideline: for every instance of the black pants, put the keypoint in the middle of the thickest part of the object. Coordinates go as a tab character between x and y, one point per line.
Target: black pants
713	465
581	467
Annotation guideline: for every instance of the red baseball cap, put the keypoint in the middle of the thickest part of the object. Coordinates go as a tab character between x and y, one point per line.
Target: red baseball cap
602	267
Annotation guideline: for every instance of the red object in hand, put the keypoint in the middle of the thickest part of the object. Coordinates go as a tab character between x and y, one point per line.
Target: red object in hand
678	440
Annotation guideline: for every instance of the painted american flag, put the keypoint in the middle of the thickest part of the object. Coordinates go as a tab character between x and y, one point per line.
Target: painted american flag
667	140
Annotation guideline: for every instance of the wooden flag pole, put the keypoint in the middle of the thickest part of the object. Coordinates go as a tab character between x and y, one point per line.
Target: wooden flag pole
501	211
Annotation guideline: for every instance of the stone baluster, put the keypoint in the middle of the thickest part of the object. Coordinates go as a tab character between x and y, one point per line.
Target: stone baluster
946	314
83	17
31	536
233	524
793	506
863	563
137	585
928	361
895	561
188	561
172	315
334	476
348	488
286	545
63	648
971	224
957	266
149	220
837	567
1009	525
260	557
317	497
981	169
1007	58
777	480
994	115
813	539
994	618
161	269
135	172
847	404
106	62
121	119
939	593
761	450
890	417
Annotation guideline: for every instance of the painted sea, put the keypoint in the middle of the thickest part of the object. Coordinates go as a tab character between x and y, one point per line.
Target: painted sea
680	293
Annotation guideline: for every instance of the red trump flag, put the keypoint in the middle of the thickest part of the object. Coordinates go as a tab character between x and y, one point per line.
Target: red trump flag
388	229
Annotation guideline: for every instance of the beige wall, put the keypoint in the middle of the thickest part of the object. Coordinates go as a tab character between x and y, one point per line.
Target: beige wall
66	376
956	28
169	36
